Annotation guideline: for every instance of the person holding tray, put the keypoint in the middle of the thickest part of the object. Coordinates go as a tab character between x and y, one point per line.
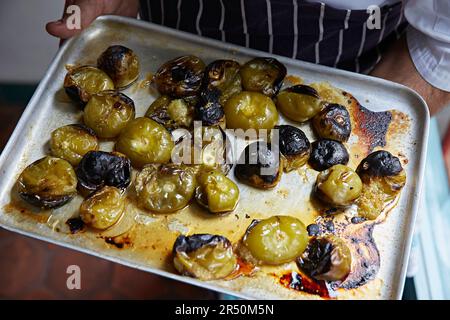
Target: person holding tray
366	36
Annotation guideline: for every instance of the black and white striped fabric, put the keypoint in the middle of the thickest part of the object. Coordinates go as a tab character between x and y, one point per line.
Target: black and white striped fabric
310	31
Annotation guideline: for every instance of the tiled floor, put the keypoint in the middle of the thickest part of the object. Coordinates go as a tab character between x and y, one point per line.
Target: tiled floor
32	269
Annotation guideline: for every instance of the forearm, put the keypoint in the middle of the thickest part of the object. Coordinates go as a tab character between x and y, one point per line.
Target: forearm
397	66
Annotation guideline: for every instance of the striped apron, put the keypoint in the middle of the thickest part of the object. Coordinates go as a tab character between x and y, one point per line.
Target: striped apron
313	32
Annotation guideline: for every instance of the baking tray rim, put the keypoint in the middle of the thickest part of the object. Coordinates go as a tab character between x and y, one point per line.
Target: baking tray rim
32	104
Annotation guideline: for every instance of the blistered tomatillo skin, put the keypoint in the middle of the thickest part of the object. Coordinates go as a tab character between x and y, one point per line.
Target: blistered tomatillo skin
165	188
216	192
171	113
99	168
264	75
327	153
209	110
221	80
81	83
326	258
211	154
259	166
180	77
383	177
250	110
72	142
108	112
338	185
379	164
299	103
145	141
121	64
294	146
222	77
48	183
276	240
204	256
214	150
333	122
103	209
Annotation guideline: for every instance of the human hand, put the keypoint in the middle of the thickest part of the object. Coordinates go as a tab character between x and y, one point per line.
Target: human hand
91	9
397	66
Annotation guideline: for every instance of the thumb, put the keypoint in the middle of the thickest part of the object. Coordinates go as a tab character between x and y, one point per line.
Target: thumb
89	10
59	29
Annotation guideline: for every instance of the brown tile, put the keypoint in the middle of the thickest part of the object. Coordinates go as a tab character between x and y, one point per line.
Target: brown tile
21	266
135	284
106	294
179	290
10	115
95	273
5	236
39	294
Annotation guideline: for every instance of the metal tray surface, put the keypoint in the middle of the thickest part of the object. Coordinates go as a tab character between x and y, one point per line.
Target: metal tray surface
50	108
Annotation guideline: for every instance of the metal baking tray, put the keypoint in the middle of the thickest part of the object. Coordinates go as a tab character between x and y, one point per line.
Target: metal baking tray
50	108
